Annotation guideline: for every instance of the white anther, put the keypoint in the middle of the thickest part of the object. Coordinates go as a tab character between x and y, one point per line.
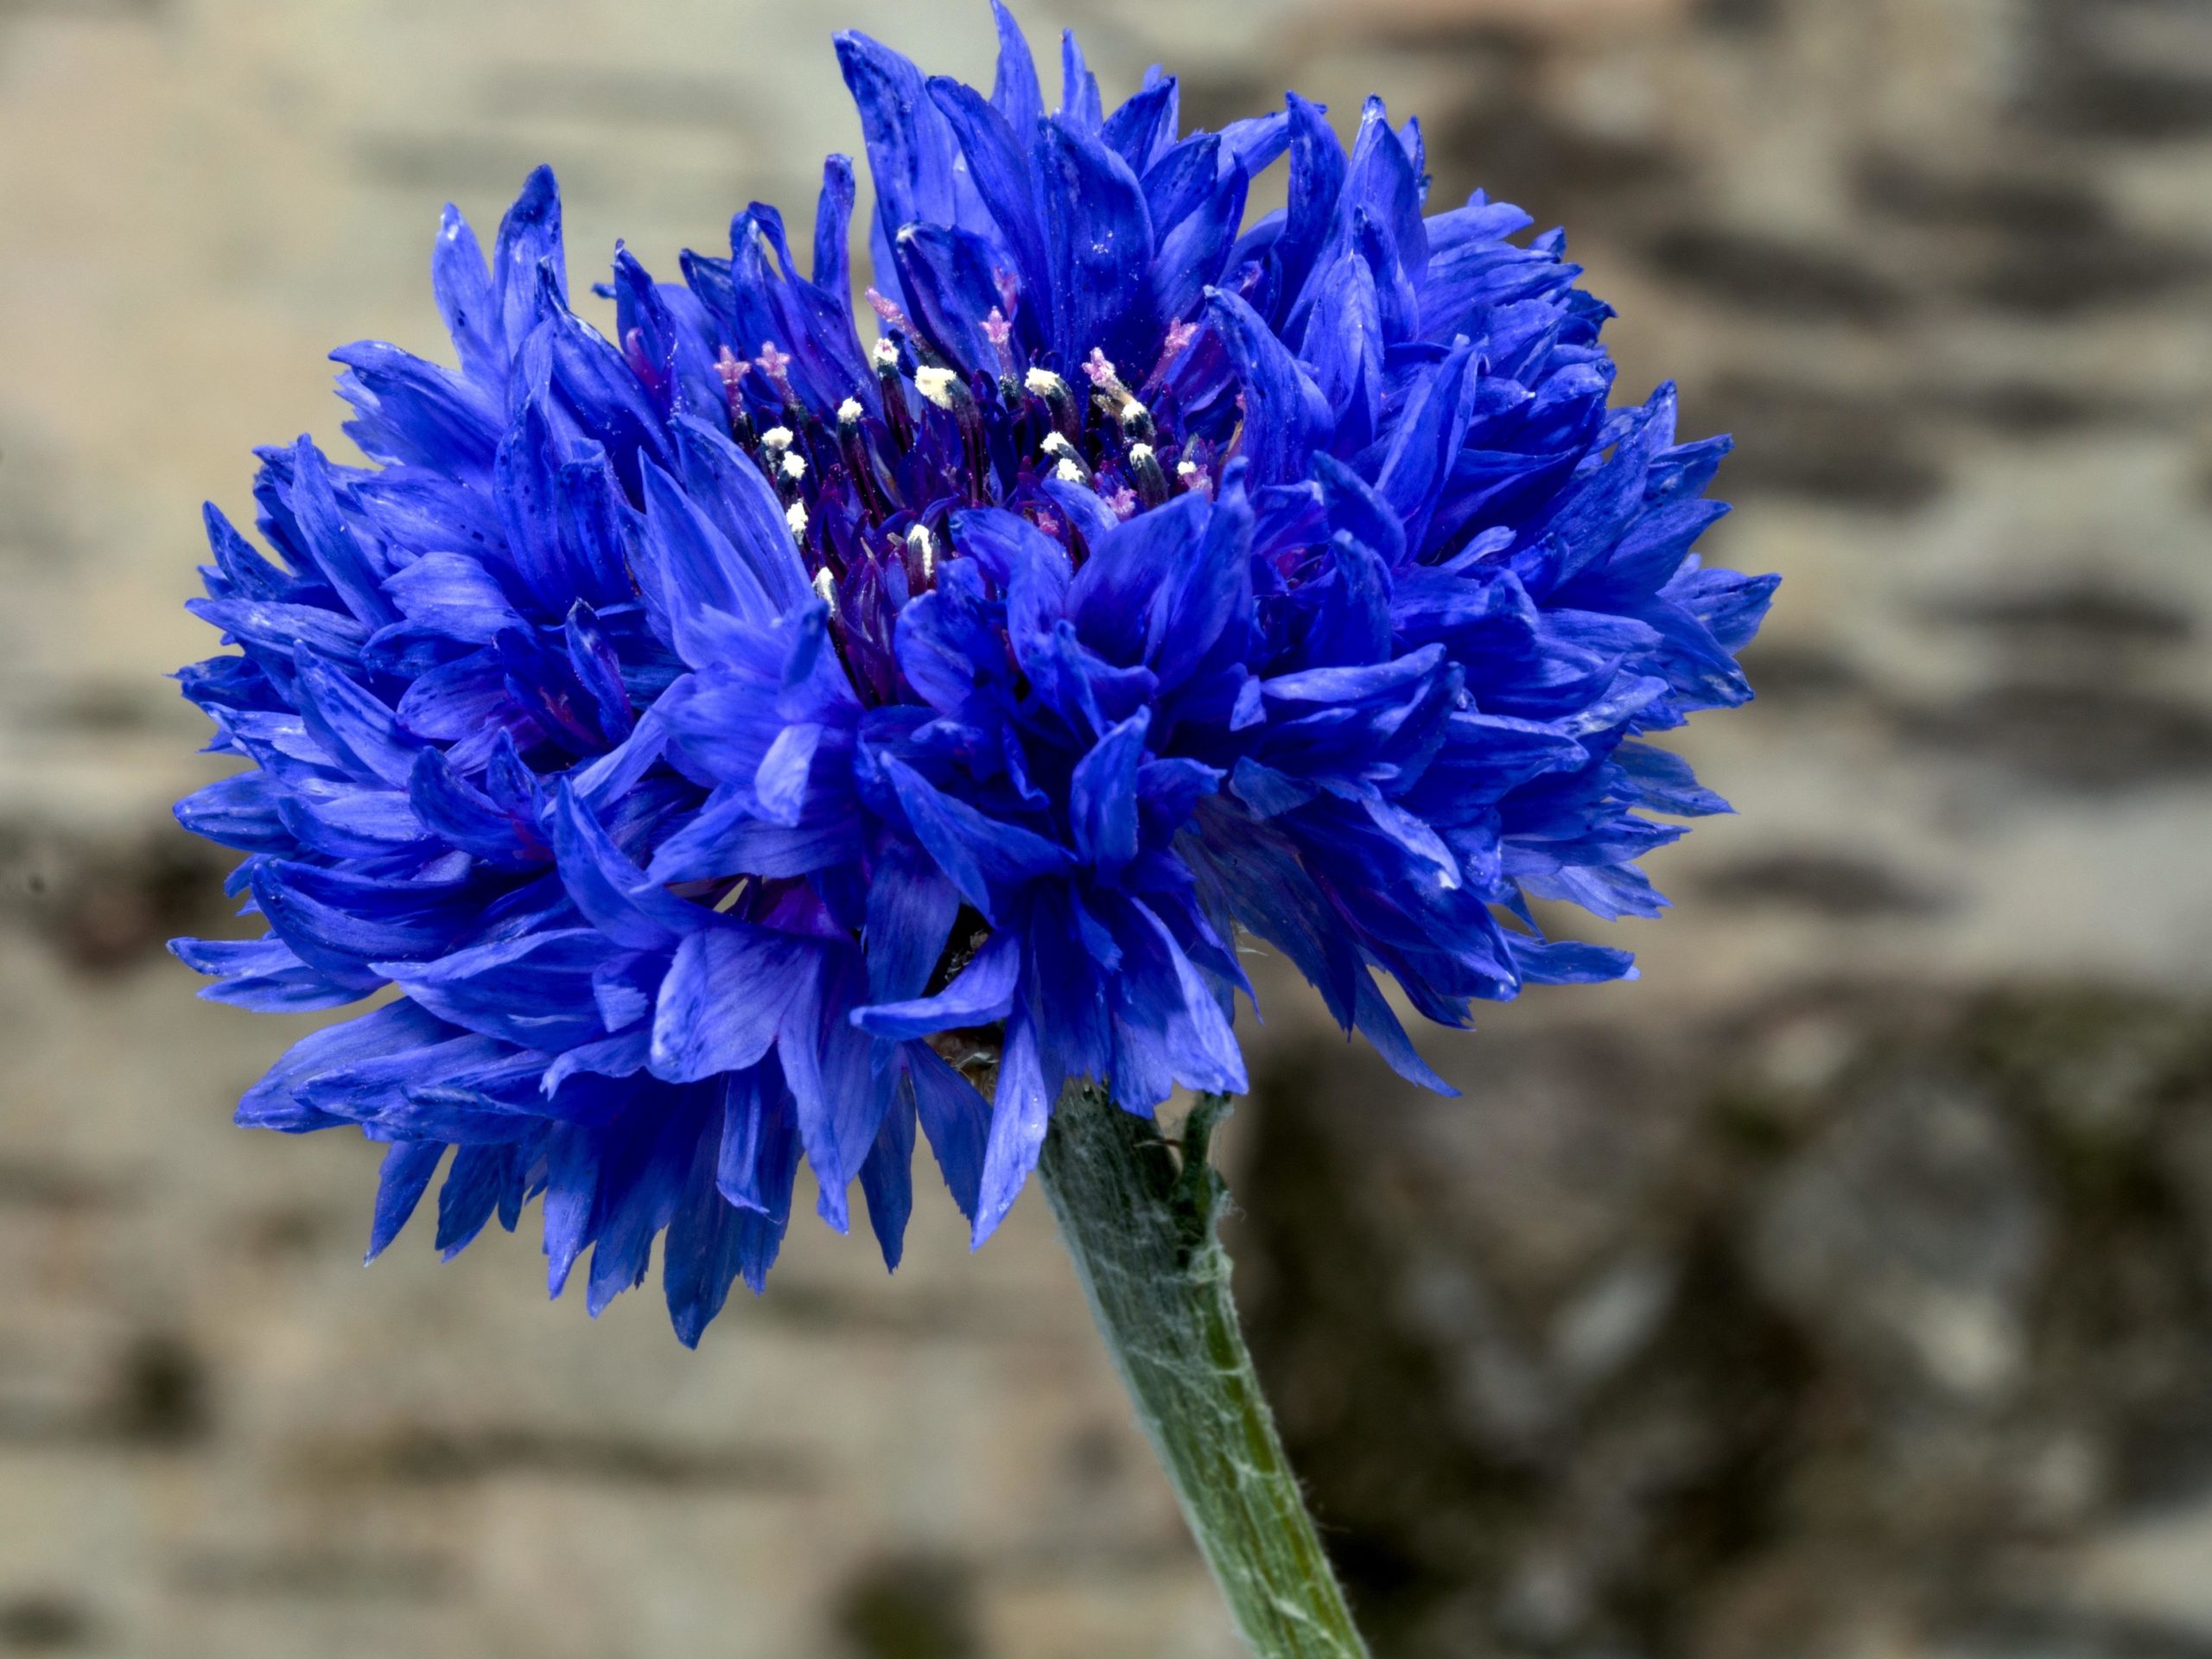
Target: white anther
1044	383
826	590
778	438
1139	453
1055	444
1186	468
924	546
794	468
936	385
1132	411
849	412
885	355
1067	472
795	516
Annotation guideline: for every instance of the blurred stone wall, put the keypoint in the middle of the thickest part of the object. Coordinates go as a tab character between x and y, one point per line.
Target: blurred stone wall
1839	1289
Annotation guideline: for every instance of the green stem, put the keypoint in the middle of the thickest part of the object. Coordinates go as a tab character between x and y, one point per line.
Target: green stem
1141	1225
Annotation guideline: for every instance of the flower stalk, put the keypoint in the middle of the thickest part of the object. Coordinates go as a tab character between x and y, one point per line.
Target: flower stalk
1140	1216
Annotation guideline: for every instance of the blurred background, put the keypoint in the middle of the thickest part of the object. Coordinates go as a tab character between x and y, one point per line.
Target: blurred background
1842	1288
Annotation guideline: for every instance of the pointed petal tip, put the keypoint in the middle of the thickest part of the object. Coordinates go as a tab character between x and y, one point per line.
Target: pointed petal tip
987	1223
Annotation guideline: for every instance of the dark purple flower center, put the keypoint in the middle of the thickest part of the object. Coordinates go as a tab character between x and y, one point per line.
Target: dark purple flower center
870	494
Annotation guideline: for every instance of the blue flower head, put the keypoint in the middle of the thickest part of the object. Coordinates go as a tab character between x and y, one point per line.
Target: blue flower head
709	729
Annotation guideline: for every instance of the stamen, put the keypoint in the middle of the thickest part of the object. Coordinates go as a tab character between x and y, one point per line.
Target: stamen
641	364
1180	336
924	549
794	468
1060	400
895	413
999	333
936	385
1071	460
825	588
1136	421
1144	468
795	516
886	310
778	438
731	368
853	447
1109	396
776	366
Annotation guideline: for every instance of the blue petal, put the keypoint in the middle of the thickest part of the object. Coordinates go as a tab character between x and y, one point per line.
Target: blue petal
833	217
1080	104
535	991
614	893
352	724
639	1198
264	975
245	574
1195	247
910	909
401	1183
1102	797
841	1093
946	274
1344	344
956	1120
342	922
411	411
529	251
1318	166
998	156
452	594
1014	91
1021	1110
705	1248
759	1145
1284	410
704	586
984	857
1141	131
463	288
910	149
888	1178
727	992
347	559
1429	432
465	816
728	484
237	811
1099	240
979	993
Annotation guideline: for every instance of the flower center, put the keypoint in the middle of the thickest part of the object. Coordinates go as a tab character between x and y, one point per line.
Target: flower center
870	494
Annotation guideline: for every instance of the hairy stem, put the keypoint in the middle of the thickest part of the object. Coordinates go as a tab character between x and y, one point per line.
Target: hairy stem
1139	1222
